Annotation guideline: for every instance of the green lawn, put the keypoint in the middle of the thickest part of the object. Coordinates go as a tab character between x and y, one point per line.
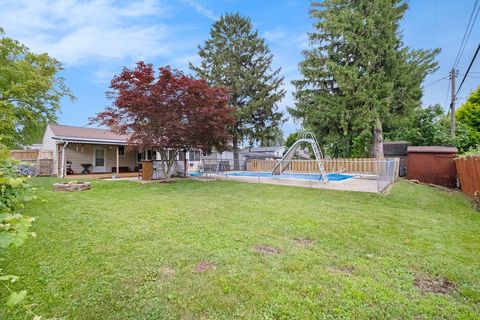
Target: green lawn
125	250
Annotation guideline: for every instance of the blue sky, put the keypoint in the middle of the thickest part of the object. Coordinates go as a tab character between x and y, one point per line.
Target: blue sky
95	39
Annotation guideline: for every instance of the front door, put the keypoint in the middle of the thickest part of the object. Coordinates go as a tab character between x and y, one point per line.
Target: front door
99	160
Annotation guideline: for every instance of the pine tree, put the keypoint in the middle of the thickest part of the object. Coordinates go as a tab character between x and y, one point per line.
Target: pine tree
358	76
236	57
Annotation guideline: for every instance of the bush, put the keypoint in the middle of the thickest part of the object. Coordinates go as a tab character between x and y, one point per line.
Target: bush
14	226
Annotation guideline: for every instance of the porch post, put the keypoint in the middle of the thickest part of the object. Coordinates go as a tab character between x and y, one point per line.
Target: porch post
64	167
118	171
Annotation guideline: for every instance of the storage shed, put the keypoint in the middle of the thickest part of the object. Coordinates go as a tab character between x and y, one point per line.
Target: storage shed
432	164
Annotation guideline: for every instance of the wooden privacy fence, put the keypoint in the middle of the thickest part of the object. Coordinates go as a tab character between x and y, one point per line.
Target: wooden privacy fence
42	160
351	165
24	155
468	171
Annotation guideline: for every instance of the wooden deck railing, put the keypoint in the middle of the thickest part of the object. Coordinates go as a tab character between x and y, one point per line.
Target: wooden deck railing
350	165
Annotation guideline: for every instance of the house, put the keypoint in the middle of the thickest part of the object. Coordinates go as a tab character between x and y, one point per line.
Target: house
88	150
92	150
264	152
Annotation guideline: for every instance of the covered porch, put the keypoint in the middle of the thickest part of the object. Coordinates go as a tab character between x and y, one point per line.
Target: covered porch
96	158
102	175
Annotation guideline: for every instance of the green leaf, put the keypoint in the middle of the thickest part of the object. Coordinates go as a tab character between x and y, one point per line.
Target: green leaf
16	298
9	278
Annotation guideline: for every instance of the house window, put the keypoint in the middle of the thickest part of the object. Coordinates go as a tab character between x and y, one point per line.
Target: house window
181	155
194	155
144	155
121	151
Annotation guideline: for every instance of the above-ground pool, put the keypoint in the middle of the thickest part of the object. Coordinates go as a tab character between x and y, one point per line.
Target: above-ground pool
298	176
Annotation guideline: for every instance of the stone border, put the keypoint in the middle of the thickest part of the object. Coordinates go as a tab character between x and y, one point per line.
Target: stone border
71	186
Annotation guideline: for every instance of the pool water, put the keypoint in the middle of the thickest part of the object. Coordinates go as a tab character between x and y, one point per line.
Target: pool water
299	176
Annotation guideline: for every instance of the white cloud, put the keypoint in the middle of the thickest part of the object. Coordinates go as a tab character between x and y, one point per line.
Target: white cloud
75	31
201	9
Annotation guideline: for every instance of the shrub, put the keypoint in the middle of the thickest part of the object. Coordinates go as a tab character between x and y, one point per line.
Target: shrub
14	226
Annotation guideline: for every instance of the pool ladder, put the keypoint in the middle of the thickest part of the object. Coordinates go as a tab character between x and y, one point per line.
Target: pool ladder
307	135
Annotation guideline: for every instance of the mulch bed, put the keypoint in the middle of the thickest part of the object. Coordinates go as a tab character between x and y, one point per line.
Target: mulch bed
260	248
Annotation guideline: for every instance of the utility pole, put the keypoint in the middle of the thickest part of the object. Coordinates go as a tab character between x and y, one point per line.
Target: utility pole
453	74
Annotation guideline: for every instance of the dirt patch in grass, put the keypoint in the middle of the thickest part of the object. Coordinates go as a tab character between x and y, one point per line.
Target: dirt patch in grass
303	241
344	270
261	248
428	284
203	266
167	181
167	272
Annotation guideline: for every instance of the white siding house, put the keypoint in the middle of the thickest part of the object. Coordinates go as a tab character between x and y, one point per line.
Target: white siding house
88	149
92	150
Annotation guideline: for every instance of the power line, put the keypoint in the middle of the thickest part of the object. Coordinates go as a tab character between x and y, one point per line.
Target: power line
468	70
435	82
446	97
466	34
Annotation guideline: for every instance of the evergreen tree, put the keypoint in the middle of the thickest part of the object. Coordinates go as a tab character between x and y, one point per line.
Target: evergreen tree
358	76
236	57
274	139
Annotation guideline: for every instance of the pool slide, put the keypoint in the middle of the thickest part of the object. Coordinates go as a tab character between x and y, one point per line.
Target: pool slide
282	165
307	137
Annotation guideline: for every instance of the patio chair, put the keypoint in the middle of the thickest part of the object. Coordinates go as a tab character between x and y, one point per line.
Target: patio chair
69	167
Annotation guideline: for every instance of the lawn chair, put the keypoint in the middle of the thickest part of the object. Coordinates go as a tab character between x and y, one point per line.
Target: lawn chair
69	167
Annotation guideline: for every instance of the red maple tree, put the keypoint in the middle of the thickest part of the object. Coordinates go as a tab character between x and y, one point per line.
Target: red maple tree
167	112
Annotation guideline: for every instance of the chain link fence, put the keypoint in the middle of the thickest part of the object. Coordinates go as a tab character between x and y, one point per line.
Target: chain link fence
386	173
370	175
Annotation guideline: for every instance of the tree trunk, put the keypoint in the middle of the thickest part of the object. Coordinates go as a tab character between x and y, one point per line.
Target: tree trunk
236	160
378	139
168	160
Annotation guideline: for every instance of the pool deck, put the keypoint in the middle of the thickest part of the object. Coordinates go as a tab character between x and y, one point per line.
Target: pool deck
353	184
356	184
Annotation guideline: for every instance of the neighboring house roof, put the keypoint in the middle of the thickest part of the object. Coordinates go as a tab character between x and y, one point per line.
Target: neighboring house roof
261	155
86	135
266	149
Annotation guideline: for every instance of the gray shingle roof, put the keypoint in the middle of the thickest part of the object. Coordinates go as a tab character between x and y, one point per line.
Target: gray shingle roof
85	133
432	149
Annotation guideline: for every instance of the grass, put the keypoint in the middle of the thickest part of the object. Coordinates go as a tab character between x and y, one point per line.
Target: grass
125	250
